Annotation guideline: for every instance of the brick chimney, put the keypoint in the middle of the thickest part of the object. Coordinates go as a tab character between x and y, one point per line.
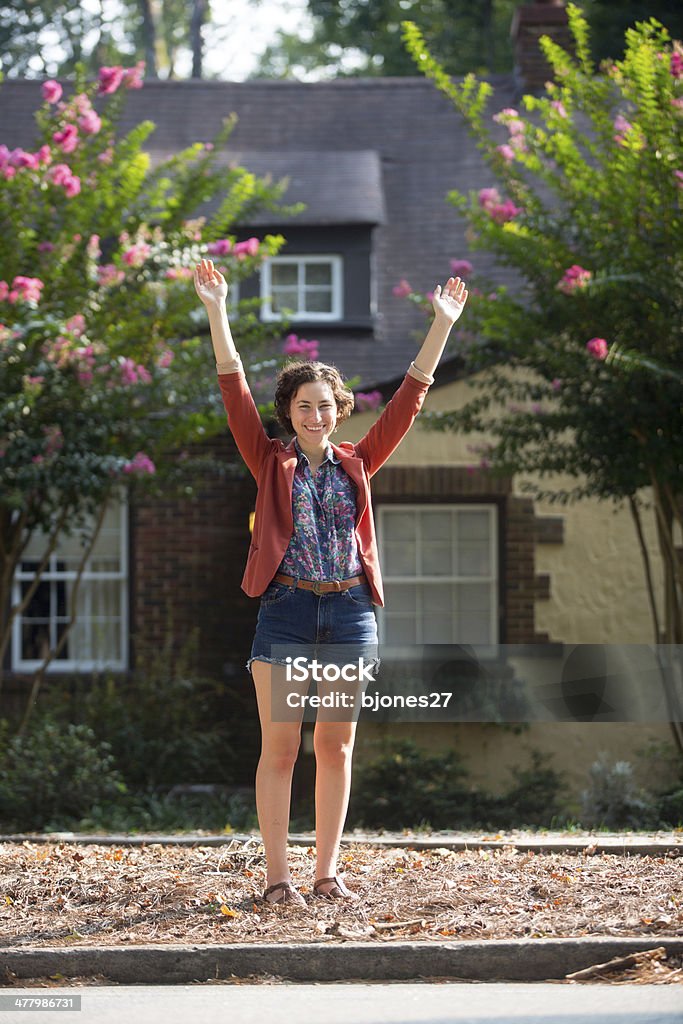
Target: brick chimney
529	23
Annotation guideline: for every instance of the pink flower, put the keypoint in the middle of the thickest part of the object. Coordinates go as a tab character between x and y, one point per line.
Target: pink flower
461	268
219	248
93	247
502	116
166	358
4	290
299	346
133	373
677	102
20	158
507	153
109	274
44	155
67	139
179	273
106	156
679	177
90	123
54	439
248	248
76	324
515	126
401	289
45	247
556	384
52	91
597	348
137	254
676	65
488	197
140	464
133	77
366	401
574	279
558	107
72	186
504	211
110	79
26	289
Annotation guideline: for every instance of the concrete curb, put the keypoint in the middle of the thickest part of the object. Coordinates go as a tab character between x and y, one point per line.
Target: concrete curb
488	960
629	843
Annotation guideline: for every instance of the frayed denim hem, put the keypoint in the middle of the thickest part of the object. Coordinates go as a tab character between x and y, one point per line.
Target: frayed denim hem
268	661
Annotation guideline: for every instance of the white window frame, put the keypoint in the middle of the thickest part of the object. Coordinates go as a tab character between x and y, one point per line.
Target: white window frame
53	576
493	580
301	314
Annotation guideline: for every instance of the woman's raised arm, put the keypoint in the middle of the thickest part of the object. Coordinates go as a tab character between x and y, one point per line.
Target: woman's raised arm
448	303
212	289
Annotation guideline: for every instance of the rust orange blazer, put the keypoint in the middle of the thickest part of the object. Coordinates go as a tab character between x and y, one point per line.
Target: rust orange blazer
272	464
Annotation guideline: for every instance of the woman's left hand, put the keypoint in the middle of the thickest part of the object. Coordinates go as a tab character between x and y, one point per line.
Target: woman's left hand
449	301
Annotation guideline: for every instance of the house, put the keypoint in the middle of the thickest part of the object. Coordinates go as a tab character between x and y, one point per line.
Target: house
465	555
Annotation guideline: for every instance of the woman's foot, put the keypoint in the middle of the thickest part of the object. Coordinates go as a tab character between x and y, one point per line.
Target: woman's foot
283	892
334	889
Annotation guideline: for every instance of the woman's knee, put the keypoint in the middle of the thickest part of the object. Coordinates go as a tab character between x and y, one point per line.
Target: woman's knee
280	751
333	745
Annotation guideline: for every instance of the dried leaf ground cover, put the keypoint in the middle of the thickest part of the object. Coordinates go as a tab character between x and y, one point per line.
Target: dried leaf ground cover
65	894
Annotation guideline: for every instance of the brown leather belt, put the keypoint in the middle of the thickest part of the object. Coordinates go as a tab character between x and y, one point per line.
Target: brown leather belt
319	587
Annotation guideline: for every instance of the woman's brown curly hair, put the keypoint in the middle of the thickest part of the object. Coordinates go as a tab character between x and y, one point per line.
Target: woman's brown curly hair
293	375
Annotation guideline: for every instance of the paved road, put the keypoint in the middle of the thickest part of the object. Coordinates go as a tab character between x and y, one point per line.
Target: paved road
398	1003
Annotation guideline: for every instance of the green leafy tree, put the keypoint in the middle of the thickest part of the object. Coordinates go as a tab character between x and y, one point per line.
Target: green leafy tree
366	36
104	378
579	366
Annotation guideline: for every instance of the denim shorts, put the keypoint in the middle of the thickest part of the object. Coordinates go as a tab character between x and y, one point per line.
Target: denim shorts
334	629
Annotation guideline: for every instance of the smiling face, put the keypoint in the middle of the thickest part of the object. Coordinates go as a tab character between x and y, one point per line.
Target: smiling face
313	413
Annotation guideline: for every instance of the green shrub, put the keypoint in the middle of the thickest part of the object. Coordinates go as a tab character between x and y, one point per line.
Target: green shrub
613	800
408	787
55	773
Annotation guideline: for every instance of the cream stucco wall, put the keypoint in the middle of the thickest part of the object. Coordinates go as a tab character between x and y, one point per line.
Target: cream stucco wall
598	596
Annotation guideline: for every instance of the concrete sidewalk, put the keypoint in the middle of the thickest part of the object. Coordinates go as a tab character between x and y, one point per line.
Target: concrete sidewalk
528	960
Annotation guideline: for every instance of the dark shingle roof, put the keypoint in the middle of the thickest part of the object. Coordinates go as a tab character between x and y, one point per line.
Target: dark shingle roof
337	188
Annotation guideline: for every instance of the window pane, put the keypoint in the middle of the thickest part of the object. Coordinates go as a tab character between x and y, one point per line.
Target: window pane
473	525
284	298
318	301
474	613
438	598
400	559
474	559
400	526
284	274
437	525
400	629
35	638
318	273
437	559
400	597
438	629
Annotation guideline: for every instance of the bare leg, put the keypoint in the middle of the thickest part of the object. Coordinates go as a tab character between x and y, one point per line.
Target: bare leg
333	740
279	749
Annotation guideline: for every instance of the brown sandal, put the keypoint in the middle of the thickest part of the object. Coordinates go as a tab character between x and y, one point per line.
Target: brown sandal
338	891
289	894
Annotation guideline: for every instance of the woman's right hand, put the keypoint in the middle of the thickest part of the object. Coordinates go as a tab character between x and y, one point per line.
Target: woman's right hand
210	285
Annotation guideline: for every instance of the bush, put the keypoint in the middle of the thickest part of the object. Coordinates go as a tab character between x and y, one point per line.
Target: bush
163	725
54	773
407	787
613	800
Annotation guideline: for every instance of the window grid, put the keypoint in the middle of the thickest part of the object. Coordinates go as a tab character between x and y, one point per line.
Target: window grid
454	579
302	288
86	624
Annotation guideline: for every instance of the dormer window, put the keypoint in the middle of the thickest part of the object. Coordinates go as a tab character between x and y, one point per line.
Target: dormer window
306	287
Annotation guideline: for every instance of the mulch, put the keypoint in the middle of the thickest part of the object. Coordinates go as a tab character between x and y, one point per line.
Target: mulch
61	894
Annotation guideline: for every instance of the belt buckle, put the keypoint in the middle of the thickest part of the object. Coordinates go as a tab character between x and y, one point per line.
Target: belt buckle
316	588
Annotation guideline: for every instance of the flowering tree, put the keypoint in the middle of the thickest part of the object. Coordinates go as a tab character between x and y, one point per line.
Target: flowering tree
102	375
584	355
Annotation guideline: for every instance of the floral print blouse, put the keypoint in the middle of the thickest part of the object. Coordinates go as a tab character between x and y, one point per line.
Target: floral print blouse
323	545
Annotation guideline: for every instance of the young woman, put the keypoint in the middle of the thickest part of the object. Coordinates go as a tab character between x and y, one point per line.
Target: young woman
313	561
